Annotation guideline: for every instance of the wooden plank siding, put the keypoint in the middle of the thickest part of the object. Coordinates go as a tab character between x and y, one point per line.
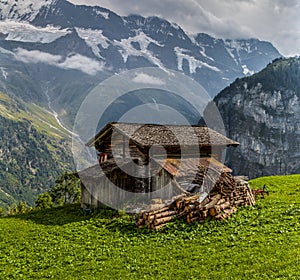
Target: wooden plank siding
98	189
116	145
135	145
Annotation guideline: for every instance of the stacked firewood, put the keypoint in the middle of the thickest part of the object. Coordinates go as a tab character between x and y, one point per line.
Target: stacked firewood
157	219
221	203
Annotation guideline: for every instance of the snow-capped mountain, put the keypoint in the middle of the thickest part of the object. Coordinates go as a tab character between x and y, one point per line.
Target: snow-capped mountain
53	41
23	10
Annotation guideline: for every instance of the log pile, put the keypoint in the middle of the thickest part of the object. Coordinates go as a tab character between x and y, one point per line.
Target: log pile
220	204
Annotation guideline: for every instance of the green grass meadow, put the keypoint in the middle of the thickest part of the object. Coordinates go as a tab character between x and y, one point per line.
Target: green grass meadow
261	242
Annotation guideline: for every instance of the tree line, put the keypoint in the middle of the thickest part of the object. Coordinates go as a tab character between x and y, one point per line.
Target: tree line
66	190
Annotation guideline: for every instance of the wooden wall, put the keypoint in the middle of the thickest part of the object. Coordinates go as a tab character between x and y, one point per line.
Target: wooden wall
94	191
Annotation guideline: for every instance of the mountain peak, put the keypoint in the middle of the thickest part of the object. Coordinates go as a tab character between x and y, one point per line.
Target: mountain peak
46	27
22	9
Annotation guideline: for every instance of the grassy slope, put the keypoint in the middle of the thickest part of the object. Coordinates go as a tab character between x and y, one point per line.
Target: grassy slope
256	243
34	150
42	120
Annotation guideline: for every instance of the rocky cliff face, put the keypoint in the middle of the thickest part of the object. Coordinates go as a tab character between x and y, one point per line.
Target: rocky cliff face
262	112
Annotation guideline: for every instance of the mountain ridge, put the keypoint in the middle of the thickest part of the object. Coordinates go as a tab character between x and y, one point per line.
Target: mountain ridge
116	41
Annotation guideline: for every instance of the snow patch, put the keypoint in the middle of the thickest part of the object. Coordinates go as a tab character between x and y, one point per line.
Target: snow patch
101	13
238	46
193	62
192	37
93	39
233	44
230	52
175	26
246	71
25	32
22	9
202	52
4	73
127	48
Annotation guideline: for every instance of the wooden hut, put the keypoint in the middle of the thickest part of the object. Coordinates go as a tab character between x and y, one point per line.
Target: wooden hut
144	158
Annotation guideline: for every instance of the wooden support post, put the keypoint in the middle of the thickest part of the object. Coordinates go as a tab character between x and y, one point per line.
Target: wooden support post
124	146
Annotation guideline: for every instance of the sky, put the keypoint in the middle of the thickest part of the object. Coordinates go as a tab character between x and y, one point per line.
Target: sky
277	21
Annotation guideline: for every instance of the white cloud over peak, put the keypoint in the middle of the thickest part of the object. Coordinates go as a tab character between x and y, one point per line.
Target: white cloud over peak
76	62
143	78
82	63
36	56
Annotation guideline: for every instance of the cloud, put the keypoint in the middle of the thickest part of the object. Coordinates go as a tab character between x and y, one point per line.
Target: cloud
36	57
262	19
76	62
82	63
143	78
